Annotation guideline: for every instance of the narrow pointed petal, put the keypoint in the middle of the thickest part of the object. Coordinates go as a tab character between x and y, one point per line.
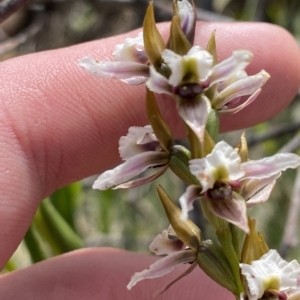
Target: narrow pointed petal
270	166
240	107
232	210
143	180
243	87
252	186
261	196
235	77
186	272
195	113
175	63
187	199
166	243
163	266
129	72
187	15
230	66
130	168
157	83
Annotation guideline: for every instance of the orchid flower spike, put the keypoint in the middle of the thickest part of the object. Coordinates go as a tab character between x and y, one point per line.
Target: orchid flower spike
271	276
140	150
230	185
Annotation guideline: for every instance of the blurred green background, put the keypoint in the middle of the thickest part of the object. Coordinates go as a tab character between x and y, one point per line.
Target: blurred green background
77	216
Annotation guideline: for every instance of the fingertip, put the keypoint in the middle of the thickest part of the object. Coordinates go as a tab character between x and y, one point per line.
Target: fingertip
275	51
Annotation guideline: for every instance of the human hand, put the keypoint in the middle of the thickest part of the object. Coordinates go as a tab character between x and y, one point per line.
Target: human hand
59	125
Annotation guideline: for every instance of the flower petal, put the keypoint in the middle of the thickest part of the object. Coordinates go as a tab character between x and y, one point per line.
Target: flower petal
252	186
230	66
270	166
138	140
232	210
202	60
157	83
223	163
261	196
143	180
175	63
270	272
186	272
130	168
233	78
187	199
234	110
129	72
195	113
242	87
163	266
166	243
132	50
187	17
197	62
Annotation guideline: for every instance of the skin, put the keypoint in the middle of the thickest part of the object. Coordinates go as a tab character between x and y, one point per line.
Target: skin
60	124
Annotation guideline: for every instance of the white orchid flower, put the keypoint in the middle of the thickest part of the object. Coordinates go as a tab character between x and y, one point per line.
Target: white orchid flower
230	185
192	74
140	150
272	276
167	243
129	65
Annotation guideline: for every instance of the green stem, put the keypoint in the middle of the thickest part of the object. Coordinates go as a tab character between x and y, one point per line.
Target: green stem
34	246
60	229
10	266
225	239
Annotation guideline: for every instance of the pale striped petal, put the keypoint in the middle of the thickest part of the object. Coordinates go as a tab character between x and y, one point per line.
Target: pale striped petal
130	168
163	266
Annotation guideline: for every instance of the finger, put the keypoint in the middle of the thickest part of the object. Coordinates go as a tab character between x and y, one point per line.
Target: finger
103	274
59	124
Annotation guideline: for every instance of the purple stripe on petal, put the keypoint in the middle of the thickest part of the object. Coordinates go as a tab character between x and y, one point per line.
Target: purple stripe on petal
241	106
252	186
195	113
163	266
187	199
232	210
186	272
166	243
142	181
261	196
269	166
128	72
242	87
230	66
130	168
